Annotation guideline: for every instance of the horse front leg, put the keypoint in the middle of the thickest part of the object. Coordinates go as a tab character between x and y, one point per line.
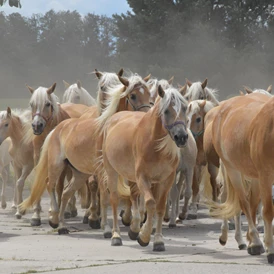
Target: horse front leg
5	178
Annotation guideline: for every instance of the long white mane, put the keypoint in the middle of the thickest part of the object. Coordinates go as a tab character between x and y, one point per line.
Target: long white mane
76	95
262	91
196	92
40	97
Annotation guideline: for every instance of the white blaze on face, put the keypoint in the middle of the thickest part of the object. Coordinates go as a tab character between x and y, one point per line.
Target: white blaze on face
142	90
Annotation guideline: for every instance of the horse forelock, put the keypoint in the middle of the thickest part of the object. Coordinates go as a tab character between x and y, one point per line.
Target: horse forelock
134	80
40	97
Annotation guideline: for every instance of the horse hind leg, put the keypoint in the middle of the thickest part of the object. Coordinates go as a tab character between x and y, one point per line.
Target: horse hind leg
187	192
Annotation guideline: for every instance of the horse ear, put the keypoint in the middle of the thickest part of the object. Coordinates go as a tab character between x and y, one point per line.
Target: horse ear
98	74
202	105
8	112
170	81
147	78
183	89
120	73
248	90
189	108
241	93
269	89
30	89
188	82
79	85
204	83
161	92
51	89
66	84
124	81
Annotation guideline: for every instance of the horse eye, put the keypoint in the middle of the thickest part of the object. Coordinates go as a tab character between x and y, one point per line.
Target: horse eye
166	112
47	104
133	96
198	120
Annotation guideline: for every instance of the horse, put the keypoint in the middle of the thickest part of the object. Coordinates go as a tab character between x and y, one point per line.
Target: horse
146	155
75	143
262	91
5	161
13	125
76	94
245	151
200	91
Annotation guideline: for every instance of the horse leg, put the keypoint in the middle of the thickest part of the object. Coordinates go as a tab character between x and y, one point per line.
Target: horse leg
213	171
20	185
265	187
166	216
238	232
126	214
188	190
174	197
136	216
5	178
93	219
193	208
158	244
142	211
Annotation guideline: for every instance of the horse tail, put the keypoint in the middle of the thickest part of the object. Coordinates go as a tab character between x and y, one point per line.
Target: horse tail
40	181
123	188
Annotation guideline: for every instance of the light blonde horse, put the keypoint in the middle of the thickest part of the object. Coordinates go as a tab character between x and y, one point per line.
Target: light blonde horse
239	136
75	143
146	154
262	91
76	94
13	125
5	162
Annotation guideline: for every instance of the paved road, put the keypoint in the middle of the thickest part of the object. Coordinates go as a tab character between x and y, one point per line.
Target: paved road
192	247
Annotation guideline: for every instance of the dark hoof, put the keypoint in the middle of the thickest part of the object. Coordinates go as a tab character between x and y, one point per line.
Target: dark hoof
183	217
255	250
4	206
242	247
133	235
107	235
172	225
153	231
18	216
85	220
63	230
270	258
191	217
95	224
231	226
167	219
67	215
116	242
125	223
159	247
141	243
35	222
222	242
53	225
74	213
260	229
121	213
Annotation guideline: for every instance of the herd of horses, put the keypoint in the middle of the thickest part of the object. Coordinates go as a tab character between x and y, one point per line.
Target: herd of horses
148	144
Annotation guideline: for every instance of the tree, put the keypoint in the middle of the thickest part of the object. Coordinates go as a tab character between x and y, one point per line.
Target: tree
12	3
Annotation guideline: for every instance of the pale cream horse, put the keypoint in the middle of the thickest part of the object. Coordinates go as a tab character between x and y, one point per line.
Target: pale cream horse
145	153
76	143
244	146
5	162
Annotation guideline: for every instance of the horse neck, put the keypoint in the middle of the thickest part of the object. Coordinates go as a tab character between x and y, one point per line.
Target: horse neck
157	129
16	131
122	105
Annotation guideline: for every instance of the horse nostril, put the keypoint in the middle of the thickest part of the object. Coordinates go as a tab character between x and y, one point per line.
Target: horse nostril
186	137
40	125
176	138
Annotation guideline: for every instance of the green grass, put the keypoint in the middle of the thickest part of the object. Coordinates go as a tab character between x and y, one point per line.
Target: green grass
13	103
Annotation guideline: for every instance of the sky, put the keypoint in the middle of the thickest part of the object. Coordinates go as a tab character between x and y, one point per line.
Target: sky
100	7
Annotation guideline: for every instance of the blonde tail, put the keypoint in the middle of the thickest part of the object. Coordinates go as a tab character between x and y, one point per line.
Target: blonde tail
41	175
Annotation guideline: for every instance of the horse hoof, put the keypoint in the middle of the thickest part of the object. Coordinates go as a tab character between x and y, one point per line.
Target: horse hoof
260	229
13	207
125	223
159	247
53	225
107	235
74	213
116	242
183	217
222	242
141	243
242	247
153	231
18	216
231	226
255	250
95	224
166	220
270	258
172	225
133	235
85	220
67	215
35	222
4	205
121	213
191	217
63	231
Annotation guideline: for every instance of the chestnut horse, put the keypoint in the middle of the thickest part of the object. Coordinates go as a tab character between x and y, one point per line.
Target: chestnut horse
145	153
240	138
